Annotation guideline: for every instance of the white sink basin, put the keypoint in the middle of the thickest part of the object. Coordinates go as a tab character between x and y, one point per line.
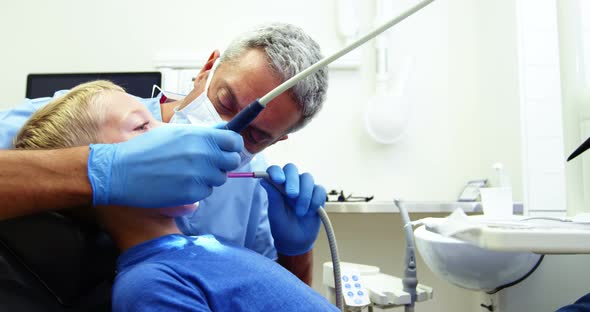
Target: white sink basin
469	266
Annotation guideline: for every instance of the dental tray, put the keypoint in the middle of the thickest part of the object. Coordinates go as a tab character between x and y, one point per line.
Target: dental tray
516	233
545	237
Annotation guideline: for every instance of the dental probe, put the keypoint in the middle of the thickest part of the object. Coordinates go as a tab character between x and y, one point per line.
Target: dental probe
248	114
325	221
255	174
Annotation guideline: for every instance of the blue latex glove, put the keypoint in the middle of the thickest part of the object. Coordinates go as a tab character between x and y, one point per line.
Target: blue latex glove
168	166
293	217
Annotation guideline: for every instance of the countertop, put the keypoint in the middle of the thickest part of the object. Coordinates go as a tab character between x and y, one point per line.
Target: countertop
412	206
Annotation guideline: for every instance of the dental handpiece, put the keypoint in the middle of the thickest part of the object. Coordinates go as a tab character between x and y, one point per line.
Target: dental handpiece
327	226
248	114
254	174
257	175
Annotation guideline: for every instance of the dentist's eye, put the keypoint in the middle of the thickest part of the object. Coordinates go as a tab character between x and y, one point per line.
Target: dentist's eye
225	100
143	127
249	137
256	136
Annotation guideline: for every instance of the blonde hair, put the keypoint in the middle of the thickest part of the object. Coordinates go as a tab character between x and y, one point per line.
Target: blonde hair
73	119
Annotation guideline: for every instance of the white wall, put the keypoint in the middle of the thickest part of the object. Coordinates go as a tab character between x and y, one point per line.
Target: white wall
69	35
574	41
541	107
464	117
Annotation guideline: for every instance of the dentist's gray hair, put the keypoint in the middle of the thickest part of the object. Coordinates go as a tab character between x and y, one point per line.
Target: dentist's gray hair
289	51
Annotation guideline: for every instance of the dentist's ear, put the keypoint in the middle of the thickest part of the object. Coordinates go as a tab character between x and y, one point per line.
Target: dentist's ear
283	138
212	58
202	76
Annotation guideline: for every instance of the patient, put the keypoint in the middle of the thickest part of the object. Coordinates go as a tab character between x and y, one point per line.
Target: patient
160	269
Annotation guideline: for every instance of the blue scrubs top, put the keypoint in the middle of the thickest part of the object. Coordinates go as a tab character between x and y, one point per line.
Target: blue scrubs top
182	273
235	212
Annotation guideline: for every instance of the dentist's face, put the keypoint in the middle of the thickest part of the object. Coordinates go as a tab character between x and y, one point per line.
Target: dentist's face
236	84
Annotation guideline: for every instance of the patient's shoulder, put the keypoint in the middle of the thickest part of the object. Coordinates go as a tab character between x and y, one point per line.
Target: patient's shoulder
155	287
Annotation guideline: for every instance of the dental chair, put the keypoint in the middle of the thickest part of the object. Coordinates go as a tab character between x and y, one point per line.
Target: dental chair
55	262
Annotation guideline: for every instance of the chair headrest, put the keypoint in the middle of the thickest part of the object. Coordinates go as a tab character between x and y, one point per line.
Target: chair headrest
68	257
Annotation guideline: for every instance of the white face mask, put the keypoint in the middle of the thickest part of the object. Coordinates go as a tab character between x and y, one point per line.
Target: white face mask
201	112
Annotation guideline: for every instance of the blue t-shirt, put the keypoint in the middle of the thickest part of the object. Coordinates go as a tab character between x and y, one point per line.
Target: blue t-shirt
237	211
582	305
182	273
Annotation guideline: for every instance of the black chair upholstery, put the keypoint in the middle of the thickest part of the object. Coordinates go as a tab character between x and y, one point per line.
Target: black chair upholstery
52	262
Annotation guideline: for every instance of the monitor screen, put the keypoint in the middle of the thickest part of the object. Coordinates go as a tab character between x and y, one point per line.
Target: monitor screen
136	83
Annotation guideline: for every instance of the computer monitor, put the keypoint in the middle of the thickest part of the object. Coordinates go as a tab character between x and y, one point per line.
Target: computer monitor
135	83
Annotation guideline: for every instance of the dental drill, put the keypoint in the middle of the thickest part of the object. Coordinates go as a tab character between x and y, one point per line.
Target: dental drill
410	280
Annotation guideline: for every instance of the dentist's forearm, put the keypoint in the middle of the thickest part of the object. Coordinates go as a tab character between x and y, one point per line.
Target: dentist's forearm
301	266
42	180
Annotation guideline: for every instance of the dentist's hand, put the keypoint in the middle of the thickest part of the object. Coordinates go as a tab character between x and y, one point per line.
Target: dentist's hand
169	166
293	217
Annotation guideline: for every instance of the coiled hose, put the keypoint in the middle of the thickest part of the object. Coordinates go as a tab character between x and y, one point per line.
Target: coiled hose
335	257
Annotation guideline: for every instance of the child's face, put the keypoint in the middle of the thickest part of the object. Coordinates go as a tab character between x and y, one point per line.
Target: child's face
125	118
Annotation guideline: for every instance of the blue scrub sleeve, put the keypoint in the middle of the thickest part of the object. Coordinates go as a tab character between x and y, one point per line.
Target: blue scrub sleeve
264	242
11	120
